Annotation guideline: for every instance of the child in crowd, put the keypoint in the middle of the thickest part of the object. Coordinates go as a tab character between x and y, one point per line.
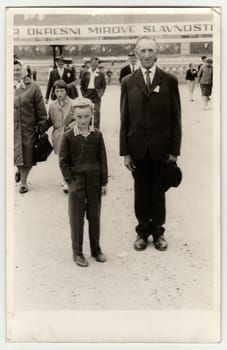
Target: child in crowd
60	116
83	164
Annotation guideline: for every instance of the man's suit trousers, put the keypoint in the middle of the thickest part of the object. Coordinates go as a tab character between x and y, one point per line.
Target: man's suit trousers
149	198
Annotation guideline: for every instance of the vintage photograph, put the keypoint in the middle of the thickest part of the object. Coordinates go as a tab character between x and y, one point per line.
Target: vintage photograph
113	174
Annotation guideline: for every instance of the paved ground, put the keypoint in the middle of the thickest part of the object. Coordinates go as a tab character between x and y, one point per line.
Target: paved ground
46	278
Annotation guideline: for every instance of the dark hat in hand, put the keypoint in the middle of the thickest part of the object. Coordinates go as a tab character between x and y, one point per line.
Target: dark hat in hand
171	175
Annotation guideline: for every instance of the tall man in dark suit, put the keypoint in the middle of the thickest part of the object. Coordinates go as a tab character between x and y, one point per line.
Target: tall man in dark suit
93	85
150	135
130	68
59	73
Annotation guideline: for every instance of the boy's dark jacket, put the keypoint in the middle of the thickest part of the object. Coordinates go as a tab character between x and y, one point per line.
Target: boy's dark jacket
83	155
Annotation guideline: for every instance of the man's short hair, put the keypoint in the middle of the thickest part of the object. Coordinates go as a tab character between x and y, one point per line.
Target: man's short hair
82	102
146	37
203	57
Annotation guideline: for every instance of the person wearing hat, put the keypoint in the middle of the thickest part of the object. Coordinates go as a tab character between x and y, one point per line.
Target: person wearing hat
93	86
150	140
205	78
130	68
83	163
58	73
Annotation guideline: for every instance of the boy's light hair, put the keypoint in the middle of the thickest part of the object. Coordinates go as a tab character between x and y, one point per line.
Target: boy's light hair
82	102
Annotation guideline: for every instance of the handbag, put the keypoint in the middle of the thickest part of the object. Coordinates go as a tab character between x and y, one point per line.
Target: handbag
42	148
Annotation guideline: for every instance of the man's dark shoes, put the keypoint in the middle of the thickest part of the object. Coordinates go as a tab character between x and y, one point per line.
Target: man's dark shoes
80	260
160	243
140	243
100	257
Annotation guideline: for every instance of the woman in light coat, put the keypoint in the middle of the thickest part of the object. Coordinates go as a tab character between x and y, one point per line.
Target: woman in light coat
29	118
60	116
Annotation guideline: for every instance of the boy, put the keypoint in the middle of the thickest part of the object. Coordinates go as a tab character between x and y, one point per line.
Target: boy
84	167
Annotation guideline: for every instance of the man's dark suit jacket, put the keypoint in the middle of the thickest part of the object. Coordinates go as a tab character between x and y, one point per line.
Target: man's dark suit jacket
99	83
125	71
68	77
150	122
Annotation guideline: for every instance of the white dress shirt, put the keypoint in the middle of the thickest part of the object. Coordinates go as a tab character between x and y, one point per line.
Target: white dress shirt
91	84
131	67
60	71
77	131
136	65
152	73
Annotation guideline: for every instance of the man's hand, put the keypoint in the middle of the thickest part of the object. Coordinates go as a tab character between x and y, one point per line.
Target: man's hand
103	190
46	101
100	93
171	158
129	163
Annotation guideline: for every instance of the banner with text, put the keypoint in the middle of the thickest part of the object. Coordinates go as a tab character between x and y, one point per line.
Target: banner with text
40	33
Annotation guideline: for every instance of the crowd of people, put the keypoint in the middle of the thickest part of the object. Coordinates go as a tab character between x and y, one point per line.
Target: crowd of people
203	75
150	137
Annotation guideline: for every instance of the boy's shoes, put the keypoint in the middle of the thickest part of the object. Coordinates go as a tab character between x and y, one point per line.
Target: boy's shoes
100	257
80	260
160	243
140	243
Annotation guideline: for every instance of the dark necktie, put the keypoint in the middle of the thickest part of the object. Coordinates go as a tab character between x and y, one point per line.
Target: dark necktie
133	68
148	80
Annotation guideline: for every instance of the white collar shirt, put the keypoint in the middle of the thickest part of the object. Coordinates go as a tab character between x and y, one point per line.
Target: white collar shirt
93	74
132	67
152	71
60	71
77	131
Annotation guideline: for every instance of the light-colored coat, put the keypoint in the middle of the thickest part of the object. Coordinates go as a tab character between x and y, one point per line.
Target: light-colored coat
60	117
29	111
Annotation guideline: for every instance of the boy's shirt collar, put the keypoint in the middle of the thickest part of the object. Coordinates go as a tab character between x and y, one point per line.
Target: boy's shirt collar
77	131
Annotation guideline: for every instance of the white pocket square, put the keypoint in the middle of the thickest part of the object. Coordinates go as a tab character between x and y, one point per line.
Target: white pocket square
156	89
